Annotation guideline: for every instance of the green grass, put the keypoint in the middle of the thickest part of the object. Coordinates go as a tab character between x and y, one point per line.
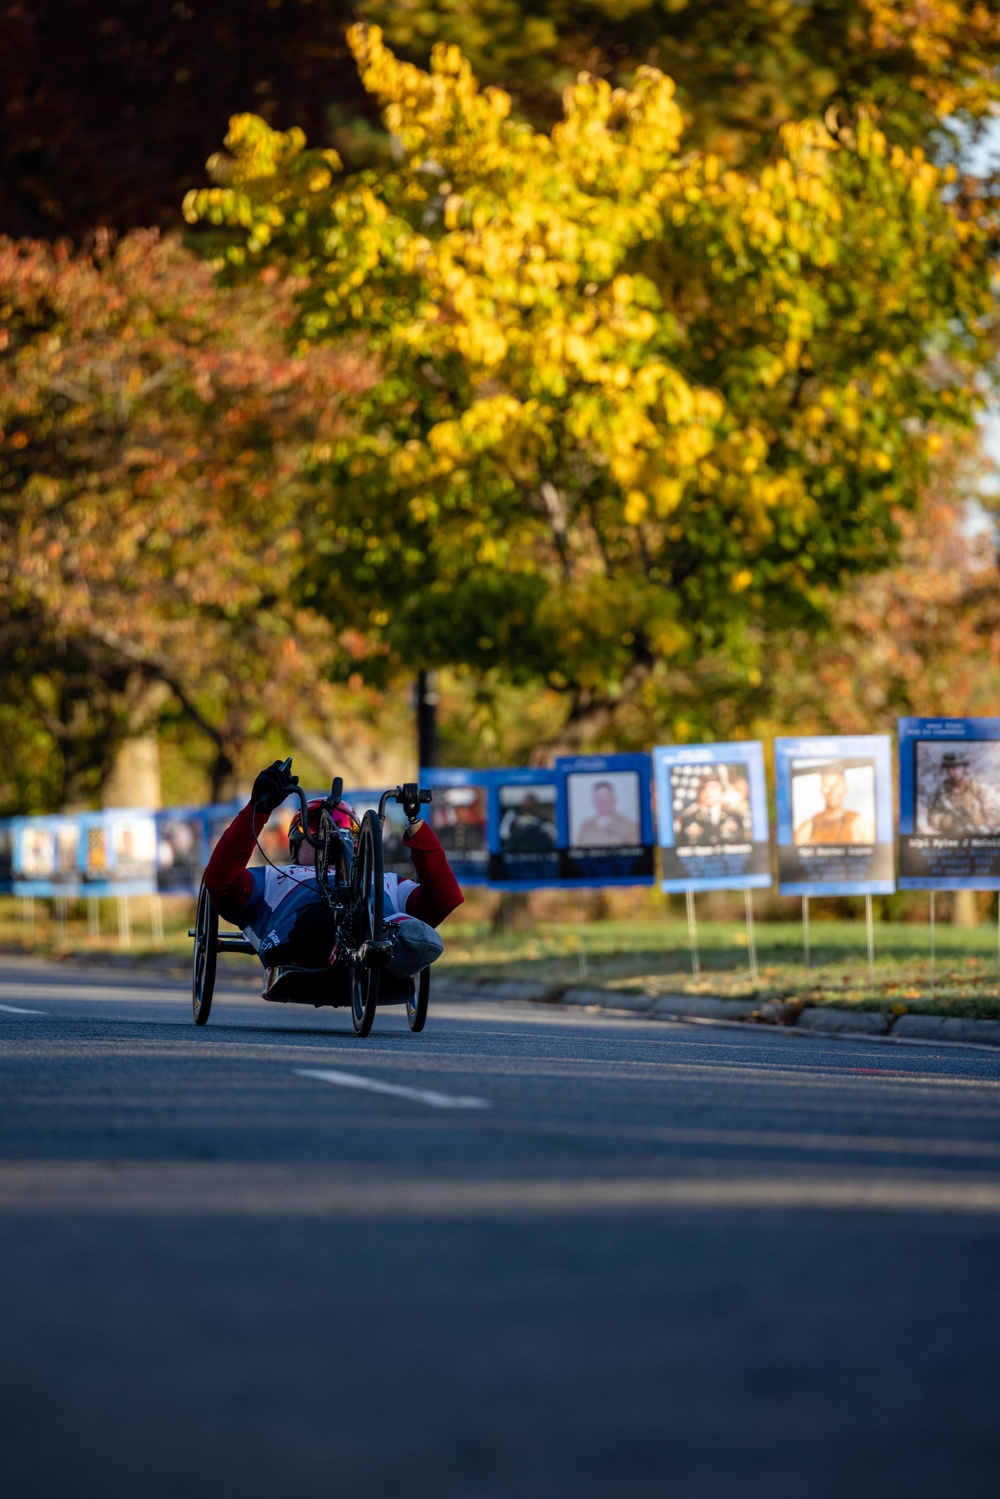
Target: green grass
654	956
648	954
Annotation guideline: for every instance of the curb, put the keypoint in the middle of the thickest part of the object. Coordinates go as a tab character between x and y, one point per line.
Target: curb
823	1020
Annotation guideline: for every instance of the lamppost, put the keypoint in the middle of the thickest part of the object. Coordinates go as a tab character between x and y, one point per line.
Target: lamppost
426	701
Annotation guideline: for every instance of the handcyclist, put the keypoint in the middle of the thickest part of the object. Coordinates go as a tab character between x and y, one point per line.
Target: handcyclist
282	911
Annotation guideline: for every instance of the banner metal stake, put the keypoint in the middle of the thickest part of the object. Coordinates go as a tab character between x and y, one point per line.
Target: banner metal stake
156	918
692	932
805	929
870	924
751	938
93	916
634	910
124	922
933	944
579	933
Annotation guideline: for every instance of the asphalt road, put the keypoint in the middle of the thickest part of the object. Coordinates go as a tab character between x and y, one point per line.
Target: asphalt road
526	1252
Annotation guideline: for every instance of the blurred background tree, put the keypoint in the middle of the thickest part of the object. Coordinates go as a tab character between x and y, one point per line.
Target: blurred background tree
743	67
111	107
109	114
151	433
636	412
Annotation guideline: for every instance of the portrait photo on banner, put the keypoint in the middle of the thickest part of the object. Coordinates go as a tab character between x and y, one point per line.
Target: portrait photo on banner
712	813
605	820
834	799
458	814
949	794
46	855
180	849
524	830
133	847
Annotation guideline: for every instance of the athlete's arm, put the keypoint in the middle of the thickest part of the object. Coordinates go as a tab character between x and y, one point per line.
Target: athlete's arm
437	893
227	878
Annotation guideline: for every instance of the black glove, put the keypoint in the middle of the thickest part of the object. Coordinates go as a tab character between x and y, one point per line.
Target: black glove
272	786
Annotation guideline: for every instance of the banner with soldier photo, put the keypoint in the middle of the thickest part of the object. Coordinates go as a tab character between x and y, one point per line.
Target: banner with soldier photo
949	803
181	849
713	825
834	801
88	853
524	829
45	855
605	820
458	814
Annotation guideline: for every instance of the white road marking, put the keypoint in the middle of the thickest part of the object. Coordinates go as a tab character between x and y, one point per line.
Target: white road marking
17	1010
372	1085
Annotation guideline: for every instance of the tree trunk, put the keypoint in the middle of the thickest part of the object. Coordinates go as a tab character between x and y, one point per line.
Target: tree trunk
963	911
135	778
224	786
512	914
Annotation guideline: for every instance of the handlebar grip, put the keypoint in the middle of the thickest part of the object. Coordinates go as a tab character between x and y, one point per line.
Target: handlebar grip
304	805
337	790
426	796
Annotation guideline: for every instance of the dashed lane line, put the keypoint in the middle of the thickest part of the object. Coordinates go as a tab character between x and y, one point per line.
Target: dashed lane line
395	1090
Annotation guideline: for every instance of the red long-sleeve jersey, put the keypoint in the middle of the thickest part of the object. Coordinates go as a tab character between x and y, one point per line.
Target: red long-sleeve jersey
231	883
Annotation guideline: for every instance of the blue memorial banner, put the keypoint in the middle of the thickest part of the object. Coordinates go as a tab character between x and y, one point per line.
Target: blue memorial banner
605	820
120	851
46	855
87	853
181	849
949	803
459	814
834	796
524	829
712	814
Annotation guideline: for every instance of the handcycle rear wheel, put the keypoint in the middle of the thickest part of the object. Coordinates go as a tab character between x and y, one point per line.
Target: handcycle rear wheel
416	1008
370	898
205	958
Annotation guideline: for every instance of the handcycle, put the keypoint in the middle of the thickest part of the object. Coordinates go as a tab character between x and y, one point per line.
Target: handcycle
349	875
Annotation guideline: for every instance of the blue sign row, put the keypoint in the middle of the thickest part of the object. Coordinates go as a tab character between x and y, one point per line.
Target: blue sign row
588	821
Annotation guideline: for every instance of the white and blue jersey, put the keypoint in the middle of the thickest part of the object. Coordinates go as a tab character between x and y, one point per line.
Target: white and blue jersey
282	897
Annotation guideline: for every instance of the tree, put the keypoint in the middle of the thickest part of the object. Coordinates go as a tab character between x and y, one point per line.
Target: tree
743	67
110	107
150	436
636	410
919	638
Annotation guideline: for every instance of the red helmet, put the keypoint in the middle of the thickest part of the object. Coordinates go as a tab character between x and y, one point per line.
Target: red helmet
343	816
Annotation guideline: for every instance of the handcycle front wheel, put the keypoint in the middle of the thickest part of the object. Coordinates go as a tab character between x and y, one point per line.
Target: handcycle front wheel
416	1008
369	907
205	958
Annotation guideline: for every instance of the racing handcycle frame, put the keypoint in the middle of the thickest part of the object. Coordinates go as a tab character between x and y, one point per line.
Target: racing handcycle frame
349	875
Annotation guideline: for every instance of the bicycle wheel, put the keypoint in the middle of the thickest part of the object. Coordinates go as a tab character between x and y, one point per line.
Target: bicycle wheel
416	1008
205	958
369	893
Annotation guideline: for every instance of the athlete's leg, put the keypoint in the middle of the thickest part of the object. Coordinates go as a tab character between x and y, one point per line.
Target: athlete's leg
417	946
